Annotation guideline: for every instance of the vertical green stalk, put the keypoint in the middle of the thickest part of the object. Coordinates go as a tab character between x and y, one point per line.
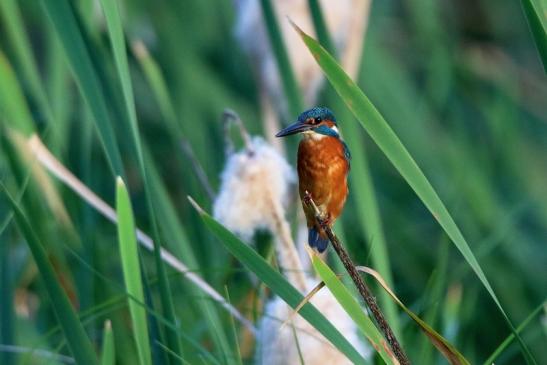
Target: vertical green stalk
67	28
115	29
292	91
7	313
18	37
12	100
320	26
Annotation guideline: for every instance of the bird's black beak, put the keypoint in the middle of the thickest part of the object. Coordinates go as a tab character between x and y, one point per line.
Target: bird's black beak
294	128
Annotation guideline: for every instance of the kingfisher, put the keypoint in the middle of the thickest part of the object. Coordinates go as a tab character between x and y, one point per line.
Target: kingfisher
323	165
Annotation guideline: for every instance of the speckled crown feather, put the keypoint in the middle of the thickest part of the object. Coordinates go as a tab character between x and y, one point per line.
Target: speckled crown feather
317	112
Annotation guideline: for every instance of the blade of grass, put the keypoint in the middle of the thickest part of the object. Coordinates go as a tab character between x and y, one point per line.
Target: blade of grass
15	114
536	22
67	28
354	310
509	340
173	232
156	81
380	131
433	297
108	353
278	284
19	40
12	100
132	271
234	333
58	90
292	91
115	29
77	339
7	286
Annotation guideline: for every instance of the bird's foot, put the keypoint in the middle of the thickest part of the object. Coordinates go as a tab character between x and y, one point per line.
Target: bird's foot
325	218
307	198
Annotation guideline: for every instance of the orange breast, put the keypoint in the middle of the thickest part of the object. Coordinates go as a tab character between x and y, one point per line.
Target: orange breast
322	171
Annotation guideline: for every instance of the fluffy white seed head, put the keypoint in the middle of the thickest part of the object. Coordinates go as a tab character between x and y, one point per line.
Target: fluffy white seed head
250	183
277	346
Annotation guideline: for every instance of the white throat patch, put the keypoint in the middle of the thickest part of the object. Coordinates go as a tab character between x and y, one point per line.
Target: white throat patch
313	135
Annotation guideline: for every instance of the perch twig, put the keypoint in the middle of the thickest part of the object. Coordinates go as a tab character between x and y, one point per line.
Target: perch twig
365	292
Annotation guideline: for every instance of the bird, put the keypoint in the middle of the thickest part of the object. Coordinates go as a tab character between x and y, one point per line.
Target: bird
323	166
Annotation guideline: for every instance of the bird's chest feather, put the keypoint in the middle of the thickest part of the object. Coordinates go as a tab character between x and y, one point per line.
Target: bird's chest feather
323	169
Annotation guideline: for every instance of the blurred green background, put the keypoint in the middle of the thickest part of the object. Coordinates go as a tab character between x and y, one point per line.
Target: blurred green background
460	82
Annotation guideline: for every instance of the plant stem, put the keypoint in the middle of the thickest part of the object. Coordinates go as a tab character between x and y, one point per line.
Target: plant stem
362	287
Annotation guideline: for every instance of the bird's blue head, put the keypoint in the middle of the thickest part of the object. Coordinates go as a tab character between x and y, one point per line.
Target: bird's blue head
318	120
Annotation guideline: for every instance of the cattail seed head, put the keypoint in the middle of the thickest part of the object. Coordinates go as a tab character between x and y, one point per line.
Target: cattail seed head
250	181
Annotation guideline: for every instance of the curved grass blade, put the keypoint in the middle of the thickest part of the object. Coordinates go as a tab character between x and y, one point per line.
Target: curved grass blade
77	339
115	30
64	22
446	348
108	354
354	310
380	131
279	285
536	22
132	272
505	344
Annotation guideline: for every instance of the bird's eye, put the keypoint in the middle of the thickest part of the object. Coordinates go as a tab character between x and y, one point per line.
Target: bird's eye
317	120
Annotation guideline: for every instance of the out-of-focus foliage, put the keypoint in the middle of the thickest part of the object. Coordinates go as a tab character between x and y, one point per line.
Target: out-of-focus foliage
460	82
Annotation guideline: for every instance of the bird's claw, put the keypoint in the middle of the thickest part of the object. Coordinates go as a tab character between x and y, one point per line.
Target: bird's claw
324	218
307	198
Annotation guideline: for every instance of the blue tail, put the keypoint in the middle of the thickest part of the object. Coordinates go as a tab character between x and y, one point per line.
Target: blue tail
316	241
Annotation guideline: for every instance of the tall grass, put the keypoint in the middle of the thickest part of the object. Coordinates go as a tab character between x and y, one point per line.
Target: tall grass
114	88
